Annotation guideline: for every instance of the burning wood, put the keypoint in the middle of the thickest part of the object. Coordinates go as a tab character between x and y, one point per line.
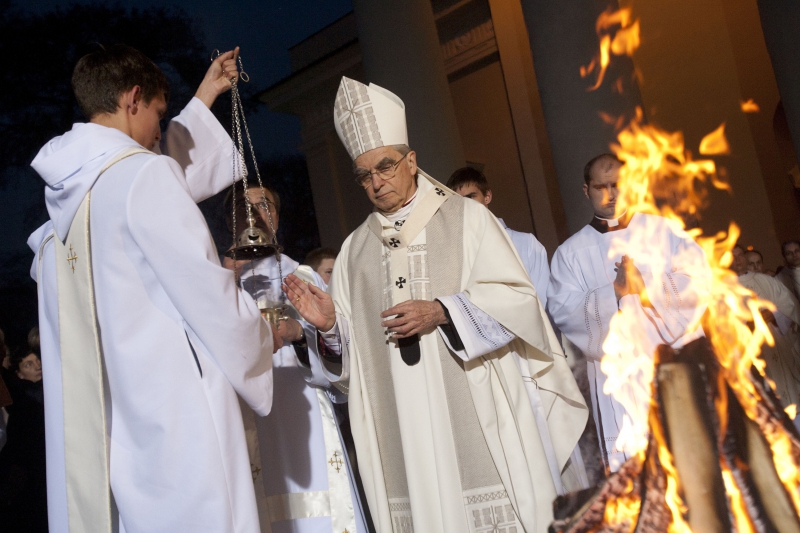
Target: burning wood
724	467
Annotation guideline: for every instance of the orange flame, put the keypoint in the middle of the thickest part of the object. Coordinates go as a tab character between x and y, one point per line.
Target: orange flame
623	40
715	143
659	177
750	106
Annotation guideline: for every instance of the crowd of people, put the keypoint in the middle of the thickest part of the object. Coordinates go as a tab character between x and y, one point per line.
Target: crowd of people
422	378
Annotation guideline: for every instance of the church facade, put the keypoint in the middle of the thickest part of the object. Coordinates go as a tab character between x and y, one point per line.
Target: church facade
496	84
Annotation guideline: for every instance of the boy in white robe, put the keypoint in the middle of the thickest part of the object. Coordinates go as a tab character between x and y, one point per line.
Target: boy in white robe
432	314
783	359
602	270
472	183
308	483
178	340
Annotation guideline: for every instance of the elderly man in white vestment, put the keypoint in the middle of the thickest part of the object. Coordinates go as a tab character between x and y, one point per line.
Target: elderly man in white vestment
637	264
160	446
303	476
783	359
432	314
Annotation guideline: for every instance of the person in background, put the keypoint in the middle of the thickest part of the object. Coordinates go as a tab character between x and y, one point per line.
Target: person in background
783	359
290	449
471	183
23	478
755	261
321	261
5	396
789	275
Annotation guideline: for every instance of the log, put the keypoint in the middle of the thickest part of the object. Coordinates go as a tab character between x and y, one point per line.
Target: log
692	442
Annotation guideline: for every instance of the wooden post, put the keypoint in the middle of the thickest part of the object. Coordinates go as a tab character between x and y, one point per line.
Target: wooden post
693	446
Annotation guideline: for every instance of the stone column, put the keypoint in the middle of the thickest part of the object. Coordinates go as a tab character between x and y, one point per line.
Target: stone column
562	38
400	51
780	20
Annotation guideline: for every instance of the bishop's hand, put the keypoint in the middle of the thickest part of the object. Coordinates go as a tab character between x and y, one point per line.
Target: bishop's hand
218	78
413	317
314	305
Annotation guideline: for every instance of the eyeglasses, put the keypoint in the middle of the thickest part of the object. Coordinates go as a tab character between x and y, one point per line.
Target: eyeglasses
387	172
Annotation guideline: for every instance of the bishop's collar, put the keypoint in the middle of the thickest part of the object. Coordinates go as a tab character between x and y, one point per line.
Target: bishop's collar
604	225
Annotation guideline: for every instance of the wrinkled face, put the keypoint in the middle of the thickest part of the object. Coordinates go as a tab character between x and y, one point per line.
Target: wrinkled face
261	202
471	191
146	120
388	194
325	270
30	368
602	190
791	253
739	264
754	262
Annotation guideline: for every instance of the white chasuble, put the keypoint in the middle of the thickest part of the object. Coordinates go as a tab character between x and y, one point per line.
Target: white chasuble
447	444
582	302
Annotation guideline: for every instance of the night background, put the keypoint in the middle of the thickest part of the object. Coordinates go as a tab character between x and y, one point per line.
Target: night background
45	40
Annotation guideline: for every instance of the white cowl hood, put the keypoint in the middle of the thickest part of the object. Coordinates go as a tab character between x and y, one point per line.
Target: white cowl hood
70	164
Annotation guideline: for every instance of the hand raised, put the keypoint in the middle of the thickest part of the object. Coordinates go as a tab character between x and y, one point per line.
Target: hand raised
313	304
413	317
218	77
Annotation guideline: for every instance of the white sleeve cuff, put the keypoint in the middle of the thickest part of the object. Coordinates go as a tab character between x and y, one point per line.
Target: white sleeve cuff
480	333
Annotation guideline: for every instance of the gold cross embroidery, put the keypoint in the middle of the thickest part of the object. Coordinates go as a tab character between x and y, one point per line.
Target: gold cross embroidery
72	258
336	462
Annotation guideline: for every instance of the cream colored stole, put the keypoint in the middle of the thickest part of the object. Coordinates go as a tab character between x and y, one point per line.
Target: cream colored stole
90	504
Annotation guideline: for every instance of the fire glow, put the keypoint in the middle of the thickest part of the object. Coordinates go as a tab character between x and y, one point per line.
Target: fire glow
659	177
618	35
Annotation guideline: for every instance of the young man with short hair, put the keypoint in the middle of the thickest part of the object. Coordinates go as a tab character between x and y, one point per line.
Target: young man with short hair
472	183
139	322
321	261
645	266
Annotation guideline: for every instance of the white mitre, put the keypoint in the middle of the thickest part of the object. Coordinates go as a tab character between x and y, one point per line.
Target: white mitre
368	117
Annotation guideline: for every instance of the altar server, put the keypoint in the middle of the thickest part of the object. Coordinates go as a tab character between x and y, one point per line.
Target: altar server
446	436
472	183
150	334
303	478
641	265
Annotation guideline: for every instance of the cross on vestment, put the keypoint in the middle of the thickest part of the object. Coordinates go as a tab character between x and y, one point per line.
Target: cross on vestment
336	462
72	257
393	242
439	191
400	282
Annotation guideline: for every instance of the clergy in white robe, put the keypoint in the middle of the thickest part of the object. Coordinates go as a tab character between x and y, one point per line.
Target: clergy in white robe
446	436
472	183
179	340
783	359
303	468
584	294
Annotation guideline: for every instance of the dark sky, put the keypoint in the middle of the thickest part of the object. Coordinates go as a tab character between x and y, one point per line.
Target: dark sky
264	29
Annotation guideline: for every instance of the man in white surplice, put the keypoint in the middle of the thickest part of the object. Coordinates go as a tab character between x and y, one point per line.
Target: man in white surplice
179	340
603	269
432	315
302	472
472	183
783	359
